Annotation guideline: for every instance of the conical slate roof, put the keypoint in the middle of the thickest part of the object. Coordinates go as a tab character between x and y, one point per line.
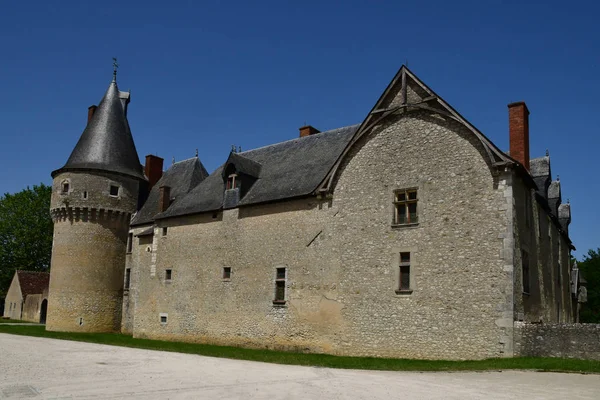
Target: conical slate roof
106	143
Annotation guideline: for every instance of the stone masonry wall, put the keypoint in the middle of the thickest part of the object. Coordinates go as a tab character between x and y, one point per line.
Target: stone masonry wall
341	257
88	252
558	340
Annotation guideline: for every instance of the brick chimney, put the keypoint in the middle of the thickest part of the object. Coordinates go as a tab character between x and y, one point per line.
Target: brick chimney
518	125
308	130
164	198
153	169
91	111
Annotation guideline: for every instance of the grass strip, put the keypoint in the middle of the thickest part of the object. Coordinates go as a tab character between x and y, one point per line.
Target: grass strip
315	360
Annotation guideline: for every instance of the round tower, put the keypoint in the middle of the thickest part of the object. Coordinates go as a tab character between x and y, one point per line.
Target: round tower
93	197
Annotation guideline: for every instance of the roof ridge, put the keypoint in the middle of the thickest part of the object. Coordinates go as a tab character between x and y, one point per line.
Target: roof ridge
299	138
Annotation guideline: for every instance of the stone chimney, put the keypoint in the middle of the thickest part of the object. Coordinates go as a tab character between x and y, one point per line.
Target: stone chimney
308	130
91	111
153	169
164	198
518	125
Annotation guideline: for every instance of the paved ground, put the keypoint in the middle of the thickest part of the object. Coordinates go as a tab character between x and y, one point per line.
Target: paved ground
40	368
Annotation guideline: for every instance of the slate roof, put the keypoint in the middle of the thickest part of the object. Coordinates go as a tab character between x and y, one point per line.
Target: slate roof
33	282
288	169
106	143
181	177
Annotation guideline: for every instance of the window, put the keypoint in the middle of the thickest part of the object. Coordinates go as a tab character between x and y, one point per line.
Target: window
163	318
525	271
405	207
127	278
114	190
226	272
130	242
84	195
232	181
65	187
168	274
164	231
280	286
404	273
527	208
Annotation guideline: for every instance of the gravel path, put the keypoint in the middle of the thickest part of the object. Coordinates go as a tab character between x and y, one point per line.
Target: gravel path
40	368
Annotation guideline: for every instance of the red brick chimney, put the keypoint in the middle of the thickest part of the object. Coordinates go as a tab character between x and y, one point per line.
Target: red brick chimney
308	130
153	169
518	125
91	111
164	198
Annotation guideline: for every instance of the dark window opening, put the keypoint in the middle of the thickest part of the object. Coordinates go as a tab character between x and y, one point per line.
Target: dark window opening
164	231
114	190
163	319
85	195
127	278
404	271
405	207
168	274
233	181
226	272
280	286
65	187
130	242
525	271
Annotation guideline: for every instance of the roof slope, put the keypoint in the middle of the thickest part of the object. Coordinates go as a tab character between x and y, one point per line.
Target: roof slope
33	282
106	143
288	169
181	177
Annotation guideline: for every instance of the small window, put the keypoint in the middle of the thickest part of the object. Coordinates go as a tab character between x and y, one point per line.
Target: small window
280	286
127	278
233	181
226	272
65	187
163	318
405	207
129	243
168	274
164	231
525	271
404	273
84	195
80	321
114	190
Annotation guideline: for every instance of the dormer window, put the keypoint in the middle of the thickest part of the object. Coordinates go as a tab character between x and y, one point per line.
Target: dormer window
233	181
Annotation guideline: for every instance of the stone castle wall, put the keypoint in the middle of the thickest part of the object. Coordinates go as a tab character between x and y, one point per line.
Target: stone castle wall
88	252
558	340
342	259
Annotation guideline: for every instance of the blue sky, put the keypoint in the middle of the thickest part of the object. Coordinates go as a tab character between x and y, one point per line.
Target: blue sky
209	74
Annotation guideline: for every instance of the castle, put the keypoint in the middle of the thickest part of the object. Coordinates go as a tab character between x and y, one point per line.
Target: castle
408	235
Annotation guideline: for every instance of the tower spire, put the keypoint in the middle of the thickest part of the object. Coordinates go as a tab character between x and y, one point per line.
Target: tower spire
115	66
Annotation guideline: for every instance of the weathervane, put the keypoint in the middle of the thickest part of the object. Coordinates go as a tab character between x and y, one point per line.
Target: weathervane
115	66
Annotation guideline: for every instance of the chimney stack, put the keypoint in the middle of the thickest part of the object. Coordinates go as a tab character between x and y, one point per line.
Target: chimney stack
518	124
153	169
91	111
308	130
164	198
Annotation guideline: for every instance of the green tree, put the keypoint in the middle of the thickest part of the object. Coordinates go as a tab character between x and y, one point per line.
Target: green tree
25	233
590	267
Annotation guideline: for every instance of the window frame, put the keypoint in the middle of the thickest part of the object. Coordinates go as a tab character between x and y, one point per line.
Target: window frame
127	283
233	181
168	274
280	282
164	231
65	184
404	263
129	243
405	203
226	273
525	273
110	189
165	316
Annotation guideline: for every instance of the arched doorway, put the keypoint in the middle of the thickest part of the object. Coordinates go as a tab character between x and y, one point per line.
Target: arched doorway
43	311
